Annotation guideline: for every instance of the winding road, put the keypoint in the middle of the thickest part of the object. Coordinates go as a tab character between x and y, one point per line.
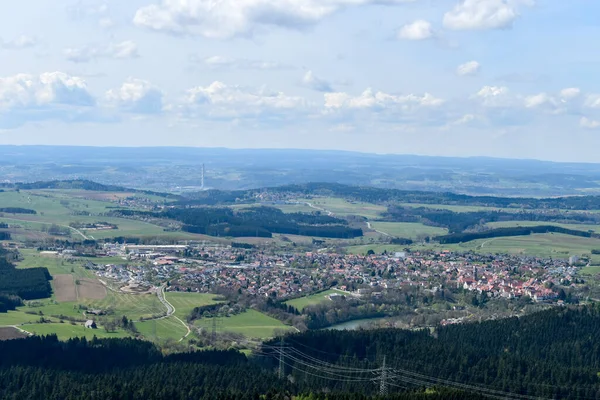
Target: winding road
171	310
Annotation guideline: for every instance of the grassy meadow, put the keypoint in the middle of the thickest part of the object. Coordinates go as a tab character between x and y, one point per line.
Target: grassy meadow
314	299
251	323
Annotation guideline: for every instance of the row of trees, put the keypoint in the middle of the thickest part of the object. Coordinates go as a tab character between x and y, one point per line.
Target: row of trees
515	231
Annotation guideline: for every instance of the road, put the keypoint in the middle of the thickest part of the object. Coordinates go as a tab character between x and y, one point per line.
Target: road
171	310
329	213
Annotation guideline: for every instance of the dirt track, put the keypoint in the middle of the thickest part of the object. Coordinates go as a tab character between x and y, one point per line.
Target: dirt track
64	288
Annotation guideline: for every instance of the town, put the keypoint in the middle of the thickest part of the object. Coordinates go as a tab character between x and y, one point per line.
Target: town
208	268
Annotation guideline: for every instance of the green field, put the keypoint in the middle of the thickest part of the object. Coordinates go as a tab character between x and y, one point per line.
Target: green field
56	207
341	207
553	245
407	229
251	323
511	224
184	303
313	299
592	270
18	318
161	329
66	330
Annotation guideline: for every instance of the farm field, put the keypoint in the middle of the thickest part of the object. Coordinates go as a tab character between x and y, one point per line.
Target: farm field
11	333
56	207
553	245
184	303
161	329
17	318
343	207
66	330
408	229
251	323
591	270
313	299
511	224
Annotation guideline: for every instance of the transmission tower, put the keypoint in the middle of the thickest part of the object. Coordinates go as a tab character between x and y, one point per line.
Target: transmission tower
281	362
383	388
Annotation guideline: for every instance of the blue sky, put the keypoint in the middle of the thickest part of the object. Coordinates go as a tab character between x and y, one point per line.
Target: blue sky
506	78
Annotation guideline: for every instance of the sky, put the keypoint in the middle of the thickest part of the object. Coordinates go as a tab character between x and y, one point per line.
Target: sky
503	78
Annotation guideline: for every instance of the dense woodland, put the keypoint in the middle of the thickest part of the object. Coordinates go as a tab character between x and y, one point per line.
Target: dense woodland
17	210
255	222
28	284
44	368
551	354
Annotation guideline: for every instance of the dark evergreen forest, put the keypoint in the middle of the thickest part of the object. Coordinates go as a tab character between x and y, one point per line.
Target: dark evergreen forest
28	284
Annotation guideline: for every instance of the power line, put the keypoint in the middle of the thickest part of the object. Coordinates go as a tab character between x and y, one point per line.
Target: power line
386	376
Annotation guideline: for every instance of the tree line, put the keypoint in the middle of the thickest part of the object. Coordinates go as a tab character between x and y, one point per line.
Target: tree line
514	231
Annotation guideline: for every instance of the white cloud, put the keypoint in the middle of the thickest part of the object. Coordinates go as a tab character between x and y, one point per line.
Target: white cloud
106	23
417	30
220	62
465	119
570	93
51	95
229	18
87	9
538	100
136	96
592	101
380	100
483	14
494	96
18	43
122	50
469	68
221	100
311	81
50	88
589	123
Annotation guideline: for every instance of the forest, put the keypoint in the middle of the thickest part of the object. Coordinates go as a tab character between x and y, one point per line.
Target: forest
28	284
550	354
45	368
17	210
256	221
